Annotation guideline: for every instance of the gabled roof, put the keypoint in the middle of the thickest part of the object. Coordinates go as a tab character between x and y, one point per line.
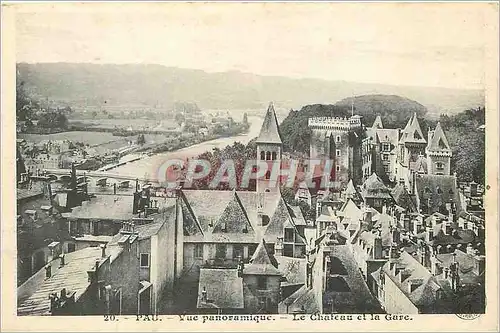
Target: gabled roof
378	122
277	223
412	132
350	191
269	132
262	263
374	187
438	141
234	218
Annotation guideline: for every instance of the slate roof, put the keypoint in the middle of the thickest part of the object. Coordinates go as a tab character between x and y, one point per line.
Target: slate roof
412	133
466	264
262	263
348	292
389	135
373	187
304	300
292	269
72	276
402	198
438	141
26	193
437	190
224	289
105	207
269	132
425	294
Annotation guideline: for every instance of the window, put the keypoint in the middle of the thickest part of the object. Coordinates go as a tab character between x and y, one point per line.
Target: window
273	156
386	147
337	168
268	155
144	259
261	283
289	235
337	152
220	251
385	157
338	138
438	190
198	250
439	166
237	251
262	155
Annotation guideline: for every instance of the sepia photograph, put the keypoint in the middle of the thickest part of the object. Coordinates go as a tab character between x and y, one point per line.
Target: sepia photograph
251	162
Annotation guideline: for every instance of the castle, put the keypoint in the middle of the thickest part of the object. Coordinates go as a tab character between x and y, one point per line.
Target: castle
393	154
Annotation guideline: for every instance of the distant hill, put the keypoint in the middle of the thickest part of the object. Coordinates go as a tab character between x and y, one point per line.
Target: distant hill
156	85
394	110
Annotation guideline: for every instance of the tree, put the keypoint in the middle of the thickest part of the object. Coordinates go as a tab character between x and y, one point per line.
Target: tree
53	119
25	105
141	140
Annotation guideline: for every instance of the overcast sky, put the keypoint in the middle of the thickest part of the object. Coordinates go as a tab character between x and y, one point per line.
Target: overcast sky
407	44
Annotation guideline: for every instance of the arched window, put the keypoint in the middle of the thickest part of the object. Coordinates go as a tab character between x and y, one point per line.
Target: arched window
338	138
273	156
268	155
262	155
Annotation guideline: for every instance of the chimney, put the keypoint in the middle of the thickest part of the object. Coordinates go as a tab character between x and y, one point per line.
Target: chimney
434	265
103	250
413	285
48	271
473	189
63	294
429	234
241	266
114	188
62	262
204	295
377	247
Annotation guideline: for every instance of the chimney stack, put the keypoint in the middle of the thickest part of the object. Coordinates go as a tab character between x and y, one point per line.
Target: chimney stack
204	295
241	266
48	271
103	250
62	262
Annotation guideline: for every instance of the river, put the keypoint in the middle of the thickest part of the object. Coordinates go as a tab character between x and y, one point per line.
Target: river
148	166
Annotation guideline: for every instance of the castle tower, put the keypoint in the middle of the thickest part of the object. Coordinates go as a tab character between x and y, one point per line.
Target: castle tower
412	142
339	140
269	149
438	152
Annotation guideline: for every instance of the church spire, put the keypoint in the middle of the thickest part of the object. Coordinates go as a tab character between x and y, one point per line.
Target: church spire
269	132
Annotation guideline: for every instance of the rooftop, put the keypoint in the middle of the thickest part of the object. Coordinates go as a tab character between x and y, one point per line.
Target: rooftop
72	276
269	133
224	289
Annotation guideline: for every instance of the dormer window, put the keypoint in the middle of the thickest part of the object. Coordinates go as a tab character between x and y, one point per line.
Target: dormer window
386	147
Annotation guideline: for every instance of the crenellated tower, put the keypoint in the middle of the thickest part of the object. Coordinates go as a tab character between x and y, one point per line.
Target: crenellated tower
338	139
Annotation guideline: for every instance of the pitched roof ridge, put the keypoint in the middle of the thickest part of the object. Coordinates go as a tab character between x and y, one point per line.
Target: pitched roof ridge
190	210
